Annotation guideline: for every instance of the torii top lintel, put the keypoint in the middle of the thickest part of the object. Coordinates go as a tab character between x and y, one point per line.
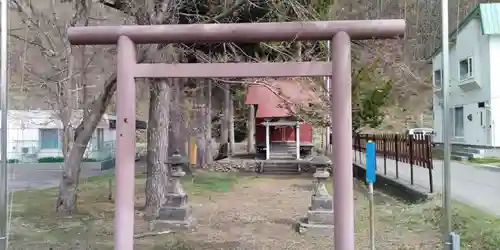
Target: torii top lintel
238	32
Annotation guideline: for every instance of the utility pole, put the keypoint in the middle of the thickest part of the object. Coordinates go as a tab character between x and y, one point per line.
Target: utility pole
446	131
3	126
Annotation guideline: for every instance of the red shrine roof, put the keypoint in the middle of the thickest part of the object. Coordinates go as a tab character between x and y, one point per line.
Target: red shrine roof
276	99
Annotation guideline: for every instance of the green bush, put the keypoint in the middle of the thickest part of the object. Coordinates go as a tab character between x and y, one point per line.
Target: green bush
50	159
61	159
13	161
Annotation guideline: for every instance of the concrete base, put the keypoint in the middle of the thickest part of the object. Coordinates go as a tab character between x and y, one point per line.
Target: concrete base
303	227
321	203
161	225
174	200
174	213
320	217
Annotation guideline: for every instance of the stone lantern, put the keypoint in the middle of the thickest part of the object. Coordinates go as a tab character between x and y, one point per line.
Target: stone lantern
175	213
319	218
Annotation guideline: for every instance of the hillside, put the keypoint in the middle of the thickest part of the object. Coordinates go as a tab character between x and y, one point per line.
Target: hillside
35	74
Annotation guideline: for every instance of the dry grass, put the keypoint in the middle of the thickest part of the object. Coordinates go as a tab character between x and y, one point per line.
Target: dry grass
233	213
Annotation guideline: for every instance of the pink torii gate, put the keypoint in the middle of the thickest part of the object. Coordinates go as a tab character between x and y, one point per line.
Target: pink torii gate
339	32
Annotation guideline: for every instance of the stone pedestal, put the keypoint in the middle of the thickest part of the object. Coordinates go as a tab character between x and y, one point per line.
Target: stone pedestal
319	220
175	213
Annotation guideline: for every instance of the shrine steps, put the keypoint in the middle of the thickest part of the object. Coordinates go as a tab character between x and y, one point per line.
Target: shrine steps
286	150
279	167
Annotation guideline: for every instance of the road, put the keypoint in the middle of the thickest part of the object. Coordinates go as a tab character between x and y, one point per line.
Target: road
475	185
38	176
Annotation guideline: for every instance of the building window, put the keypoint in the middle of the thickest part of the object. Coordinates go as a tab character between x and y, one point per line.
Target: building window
438	78
100	138
458	118
465	69
49	138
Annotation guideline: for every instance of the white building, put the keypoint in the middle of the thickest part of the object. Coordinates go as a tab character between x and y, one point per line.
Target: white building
36	134
474	81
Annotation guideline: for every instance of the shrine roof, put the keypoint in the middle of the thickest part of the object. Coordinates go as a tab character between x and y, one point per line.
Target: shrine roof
279	97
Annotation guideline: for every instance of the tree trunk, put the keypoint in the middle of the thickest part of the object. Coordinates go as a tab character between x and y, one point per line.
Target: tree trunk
224	133
159	116
208	152
66	200
67	197
251	130
201	124
157	144
231	127
177	124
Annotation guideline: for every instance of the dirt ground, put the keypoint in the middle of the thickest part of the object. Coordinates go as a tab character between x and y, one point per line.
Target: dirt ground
244	213
262	214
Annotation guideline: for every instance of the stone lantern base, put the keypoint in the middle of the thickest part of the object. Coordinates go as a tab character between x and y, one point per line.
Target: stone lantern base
175	214
319	220
174	225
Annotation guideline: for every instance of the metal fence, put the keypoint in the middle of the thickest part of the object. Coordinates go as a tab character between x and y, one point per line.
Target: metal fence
414	150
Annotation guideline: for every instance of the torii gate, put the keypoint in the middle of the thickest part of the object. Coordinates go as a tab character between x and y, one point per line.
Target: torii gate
339	32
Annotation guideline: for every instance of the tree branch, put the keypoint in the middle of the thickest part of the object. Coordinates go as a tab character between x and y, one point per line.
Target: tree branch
229	11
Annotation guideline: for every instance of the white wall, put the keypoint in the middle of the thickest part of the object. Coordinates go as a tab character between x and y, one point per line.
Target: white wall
494	60
23	130
469	43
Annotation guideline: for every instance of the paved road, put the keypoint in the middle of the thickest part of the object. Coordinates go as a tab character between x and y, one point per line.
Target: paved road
476	185
38	176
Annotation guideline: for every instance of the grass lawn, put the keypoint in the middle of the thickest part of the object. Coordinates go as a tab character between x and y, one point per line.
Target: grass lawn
236	212
486	160
477	229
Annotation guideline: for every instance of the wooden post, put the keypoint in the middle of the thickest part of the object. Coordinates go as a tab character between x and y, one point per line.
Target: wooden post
268	148
251	130
297	140
397	154
411	158
384	138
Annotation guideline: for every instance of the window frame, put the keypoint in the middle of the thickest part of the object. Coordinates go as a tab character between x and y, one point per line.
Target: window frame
470	73
41	144
434	78
455	122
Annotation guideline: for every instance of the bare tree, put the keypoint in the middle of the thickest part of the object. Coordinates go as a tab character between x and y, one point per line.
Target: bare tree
55	74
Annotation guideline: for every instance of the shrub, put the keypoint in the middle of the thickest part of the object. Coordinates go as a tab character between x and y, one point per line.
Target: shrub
50	159
61	159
